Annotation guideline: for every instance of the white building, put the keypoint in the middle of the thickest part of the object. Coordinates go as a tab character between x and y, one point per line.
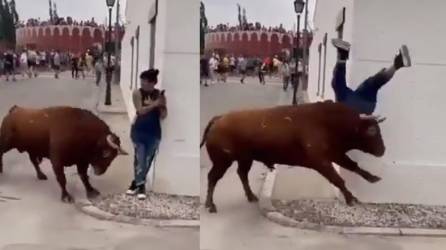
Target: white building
164	34
414	166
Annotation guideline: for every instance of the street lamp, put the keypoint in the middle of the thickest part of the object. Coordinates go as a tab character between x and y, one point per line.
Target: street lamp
298	7
108	71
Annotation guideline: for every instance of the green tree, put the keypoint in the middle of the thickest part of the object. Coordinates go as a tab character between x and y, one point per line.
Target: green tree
8	21
203	26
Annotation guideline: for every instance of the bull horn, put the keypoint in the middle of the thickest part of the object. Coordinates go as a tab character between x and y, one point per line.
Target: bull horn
381	119
367	117
112	144
378	118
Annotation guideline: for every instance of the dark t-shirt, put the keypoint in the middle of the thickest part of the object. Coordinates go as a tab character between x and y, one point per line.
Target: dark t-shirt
148	125
9	60
204	64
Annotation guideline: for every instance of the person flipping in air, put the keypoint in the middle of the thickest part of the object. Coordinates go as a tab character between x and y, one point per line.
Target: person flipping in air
364	98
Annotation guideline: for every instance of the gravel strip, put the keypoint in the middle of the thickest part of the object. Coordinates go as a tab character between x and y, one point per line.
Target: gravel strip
337	213
156	206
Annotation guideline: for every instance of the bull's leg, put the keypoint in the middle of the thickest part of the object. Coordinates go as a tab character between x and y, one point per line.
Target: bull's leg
347	163
243	171
36	161
1	160
60	176
217	171
5	144
327	170
91	191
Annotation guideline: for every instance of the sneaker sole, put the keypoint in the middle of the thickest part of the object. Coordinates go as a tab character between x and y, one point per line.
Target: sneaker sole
406	56
340	44
130	193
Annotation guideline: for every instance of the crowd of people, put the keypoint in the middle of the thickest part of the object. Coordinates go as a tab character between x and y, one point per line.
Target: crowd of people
32	22
216	68
29	62
248	27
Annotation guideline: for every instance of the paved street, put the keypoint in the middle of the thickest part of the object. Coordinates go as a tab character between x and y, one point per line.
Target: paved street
239	224
31	213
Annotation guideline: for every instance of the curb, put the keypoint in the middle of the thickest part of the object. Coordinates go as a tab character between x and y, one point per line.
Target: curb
86	207
269	211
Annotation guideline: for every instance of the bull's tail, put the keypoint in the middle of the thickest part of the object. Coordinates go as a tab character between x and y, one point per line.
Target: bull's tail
206	130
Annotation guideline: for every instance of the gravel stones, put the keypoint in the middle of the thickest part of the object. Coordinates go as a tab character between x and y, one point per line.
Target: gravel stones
156	206
337	213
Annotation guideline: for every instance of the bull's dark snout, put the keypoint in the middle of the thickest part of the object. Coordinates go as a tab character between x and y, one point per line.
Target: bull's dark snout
99	170
380	152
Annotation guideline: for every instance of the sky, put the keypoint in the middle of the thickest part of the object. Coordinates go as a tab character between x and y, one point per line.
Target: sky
78	9
267	12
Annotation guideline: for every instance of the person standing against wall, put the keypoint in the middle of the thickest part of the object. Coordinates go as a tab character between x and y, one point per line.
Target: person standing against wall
150	105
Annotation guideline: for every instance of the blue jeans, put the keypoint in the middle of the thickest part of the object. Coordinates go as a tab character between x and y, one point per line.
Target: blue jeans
364	98
145	152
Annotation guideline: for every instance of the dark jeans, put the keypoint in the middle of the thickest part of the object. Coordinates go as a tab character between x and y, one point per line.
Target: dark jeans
261	77
74	72
367	90
146	148
98	76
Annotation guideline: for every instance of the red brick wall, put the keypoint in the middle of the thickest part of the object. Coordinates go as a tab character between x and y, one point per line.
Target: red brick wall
80	39
251	44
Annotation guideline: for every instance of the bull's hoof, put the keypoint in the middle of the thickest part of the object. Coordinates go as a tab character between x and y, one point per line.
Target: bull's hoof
213	209
252	198
373	179
67	198
42	177
93	194
353	201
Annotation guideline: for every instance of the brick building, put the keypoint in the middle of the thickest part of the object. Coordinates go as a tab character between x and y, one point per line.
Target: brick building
73	38
252	43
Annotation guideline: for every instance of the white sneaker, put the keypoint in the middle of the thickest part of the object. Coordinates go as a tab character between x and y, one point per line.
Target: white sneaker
141	196
130	192
341	44
132	189
141	192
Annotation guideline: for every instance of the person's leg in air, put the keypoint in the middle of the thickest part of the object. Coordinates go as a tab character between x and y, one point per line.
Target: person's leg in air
368	89
339	82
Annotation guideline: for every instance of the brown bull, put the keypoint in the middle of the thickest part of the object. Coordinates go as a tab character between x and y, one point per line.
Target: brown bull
311	135
65	135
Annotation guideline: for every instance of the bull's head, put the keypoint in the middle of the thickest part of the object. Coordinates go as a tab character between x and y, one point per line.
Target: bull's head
108	148
370	140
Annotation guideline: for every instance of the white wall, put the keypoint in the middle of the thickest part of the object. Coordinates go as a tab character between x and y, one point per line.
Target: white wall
176	56
413	100
326	12
415	161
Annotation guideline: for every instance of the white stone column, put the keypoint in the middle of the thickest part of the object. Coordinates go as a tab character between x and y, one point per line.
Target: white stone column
177	169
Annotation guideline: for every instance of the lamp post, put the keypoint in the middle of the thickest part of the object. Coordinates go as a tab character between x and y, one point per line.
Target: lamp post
298	7
108	71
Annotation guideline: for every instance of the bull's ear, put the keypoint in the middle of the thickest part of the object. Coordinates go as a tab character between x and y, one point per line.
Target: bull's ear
372	130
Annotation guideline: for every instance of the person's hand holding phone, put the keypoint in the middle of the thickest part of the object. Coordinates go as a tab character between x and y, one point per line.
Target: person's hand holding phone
162	99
